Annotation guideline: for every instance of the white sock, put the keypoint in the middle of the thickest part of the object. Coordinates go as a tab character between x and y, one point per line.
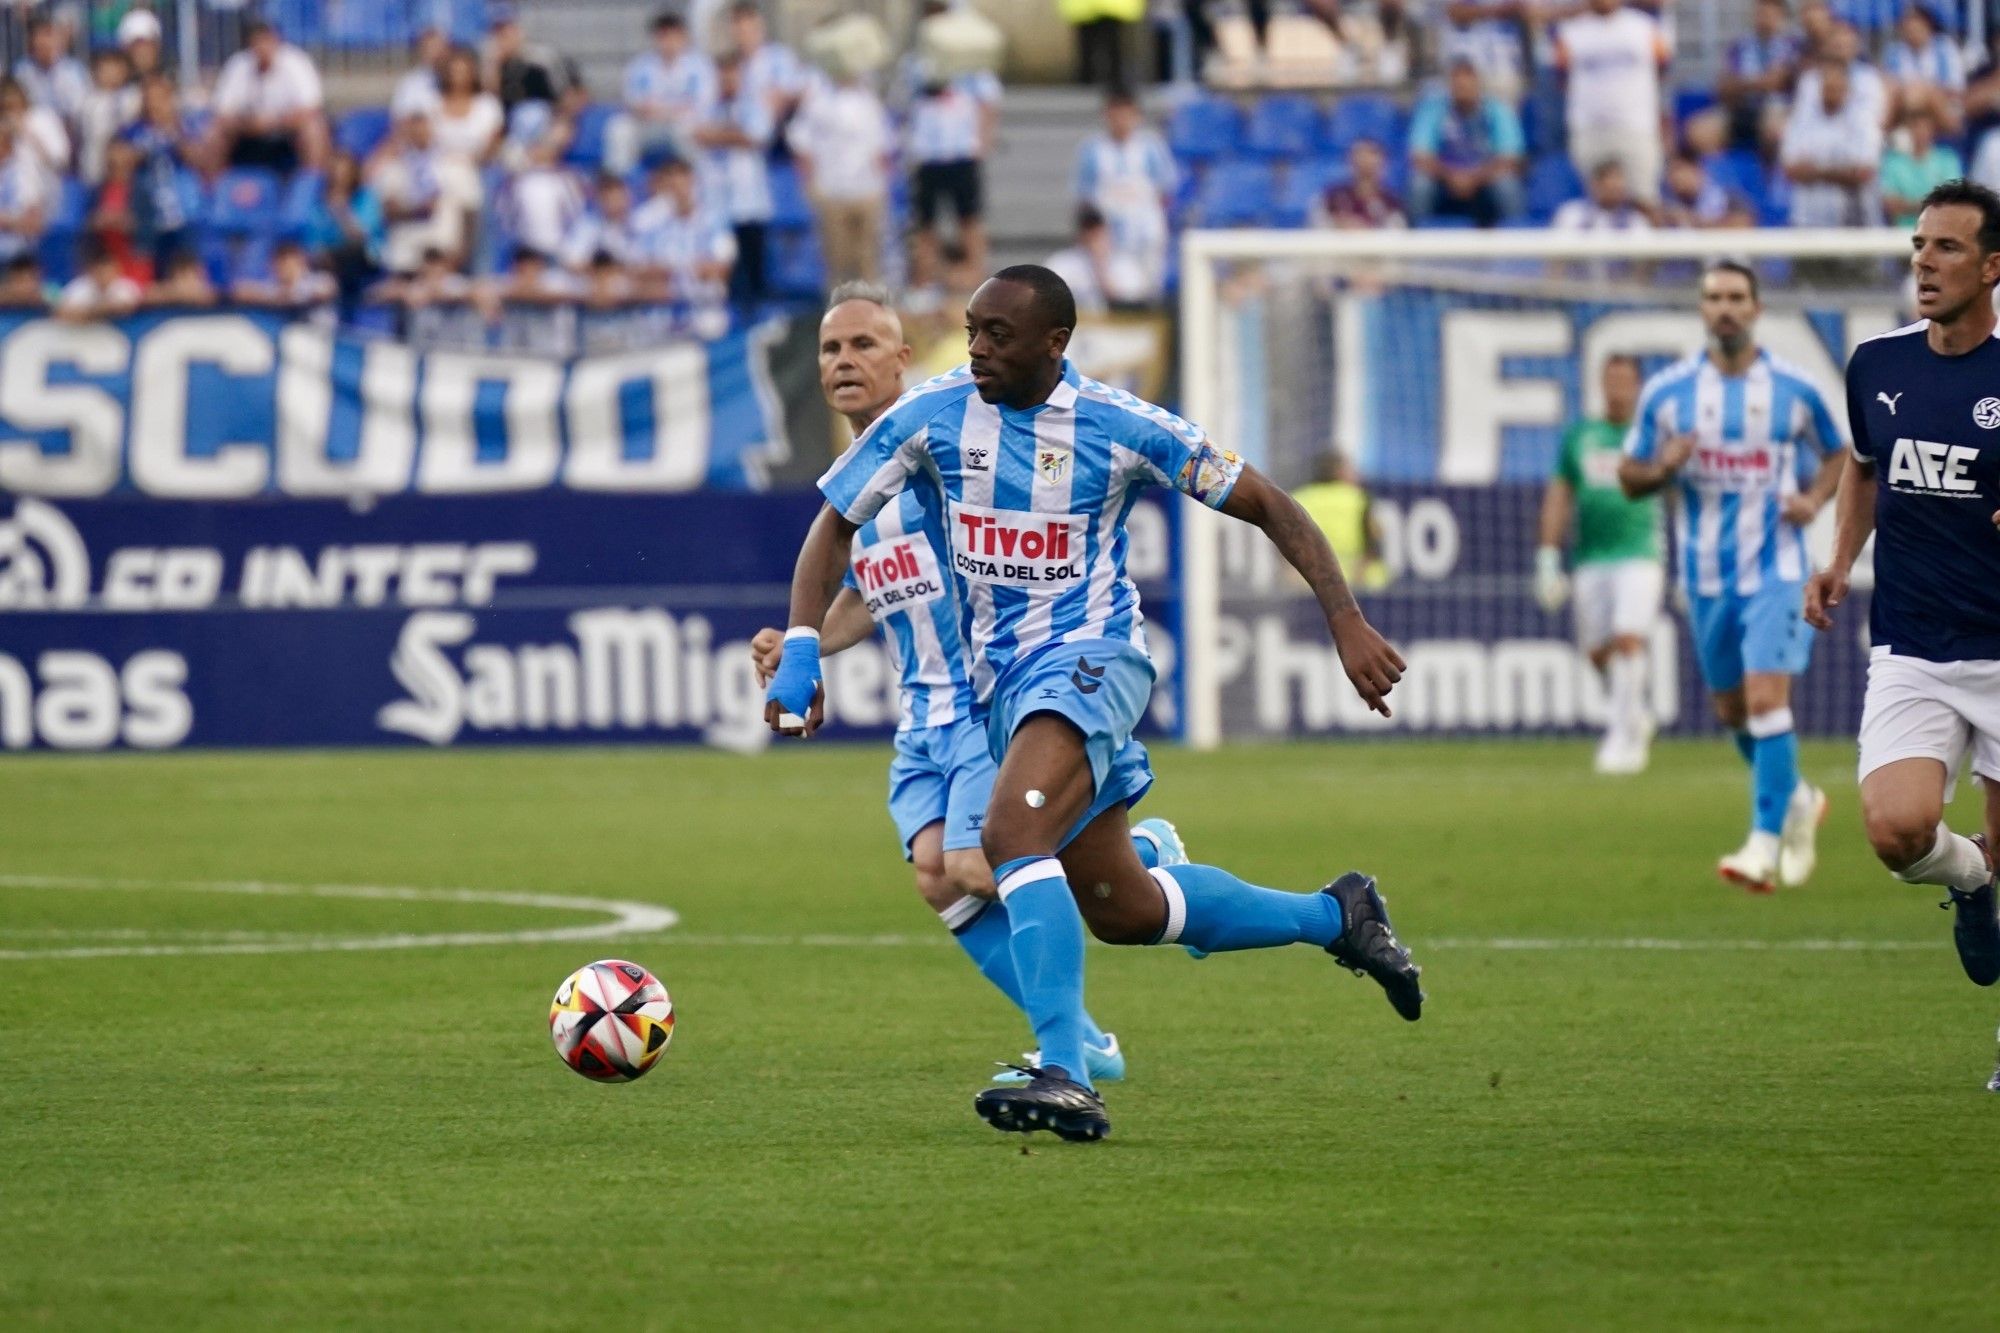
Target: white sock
1764	844
1954	861
1628	695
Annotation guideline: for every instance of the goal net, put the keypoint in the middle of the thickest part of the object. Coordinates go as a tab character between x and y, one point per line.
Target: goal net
1445	366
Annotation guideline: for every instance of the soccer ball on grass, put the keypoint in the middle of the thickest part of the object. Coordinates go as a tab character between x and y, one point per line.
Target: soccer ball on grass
611	1021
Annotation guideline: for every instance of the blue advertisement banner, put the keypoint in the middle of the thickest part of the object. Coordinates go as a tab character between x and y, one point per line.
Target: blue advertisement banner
227	405
420	620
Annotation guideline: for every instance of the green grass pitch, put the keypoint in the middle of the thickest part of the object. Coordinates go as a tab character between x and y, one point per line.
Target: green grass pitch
1585	1136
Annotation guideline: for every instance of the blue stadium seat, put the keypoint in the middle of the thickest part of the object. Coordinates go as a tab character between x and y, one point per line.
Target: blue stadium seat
1236	194
1302	188
302	194
1363	116
362	130
793	266
244	202
1204	128
790	206
586	149
1552	182
1283	127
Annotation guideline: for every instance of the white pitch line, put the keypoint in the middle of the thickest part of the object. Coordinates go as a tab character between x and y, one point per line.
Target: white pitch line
627	918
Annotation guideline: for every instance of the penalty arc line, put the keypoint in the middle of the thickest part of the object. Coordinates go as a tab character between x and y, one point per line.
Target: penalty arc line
627	918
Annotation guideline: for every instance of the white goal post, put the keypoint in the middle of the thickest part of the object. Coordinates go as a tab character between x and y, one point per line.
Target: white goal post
1313	299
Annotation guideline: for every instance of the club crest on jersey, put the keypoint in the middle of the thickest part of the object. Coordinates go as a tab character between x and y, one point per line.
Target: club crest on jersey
1986	413
1053	464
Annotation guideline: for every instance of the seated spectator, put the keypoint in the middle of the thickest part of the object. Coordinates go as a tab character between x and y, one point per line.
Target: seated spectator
608	284
404	177
770	70
434	281
1489	35
42	134
269	110
1694	198
534	306
24	195
1925	68
1913	170
53	77
21	285
1832	151
1098	275
1982	87
737	138
544	199
100	291
1865	85
139	39
1608	207
114	213
1465	154
841	140
668	92
532	278
1127	173
688	242
347	229
294	285
1758	71
1377	40
109	105
166	198
525	75
184	283
604	228
1363	201
1611	57
417	89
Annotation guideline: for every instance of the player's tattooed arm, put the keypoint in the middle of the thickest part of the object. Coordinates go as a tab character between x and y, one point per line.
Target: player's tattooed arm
1854	520
1373	667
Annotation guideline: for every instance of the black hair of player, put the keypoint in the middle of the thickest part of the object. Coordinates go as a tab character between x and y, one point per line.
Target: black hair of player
1970	194
1625	359
1738	267
1054	303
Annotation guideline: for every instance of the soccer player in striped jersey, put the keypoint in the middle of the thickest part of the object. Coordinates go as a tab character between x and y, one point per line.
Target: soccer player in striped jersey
1039	467
899	578
1725	425
1924	477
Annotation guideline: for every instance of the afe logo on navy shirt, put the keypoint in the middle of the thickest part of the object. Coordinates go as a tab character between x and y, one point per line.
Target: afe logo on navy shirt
1925	467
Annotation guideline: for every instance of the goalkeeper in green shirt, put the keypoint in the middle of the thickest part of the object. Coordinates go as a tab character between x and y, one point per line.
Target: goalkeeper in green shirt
1618	577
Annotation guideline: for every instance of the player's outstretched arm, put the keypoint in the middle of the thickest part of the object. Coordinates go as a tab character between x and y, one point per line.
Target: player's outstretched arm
847	623
1854	520
1373	667
795	691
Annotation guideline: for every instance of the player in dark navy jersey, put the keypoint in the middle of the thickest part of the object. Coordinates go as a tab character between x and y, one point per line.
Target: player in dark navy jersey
1923	403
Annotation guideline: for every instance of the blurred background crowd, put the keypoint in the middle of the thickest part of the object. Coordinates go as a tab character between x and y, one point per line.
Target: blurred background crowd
487	189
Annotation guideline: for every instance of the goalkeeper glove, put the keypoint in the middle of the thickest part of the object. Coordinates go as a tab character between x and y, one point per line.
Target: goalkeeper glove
1551	584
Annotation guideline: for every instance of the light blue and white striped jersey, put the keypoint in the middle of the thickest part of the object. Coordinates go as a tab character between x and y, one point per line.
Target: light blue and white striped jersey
900	565
1035	503
1115	175
945	126
685	88
1747	429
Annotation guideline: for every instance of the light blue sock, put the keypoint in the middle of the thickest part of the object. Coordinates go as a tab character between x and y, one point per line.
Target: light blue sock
1746	745
1046	941
1149	851
1212	911
982	929
1774	769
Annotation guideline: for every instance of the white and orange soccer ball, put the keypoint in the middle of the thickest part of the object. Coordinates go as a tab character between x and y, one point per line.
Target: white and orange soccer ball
611	1020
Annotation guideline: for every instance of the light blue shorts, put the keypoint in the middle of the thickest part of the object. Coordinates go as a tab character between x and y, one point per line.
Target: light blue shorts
1764	631
1102	686
942	773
